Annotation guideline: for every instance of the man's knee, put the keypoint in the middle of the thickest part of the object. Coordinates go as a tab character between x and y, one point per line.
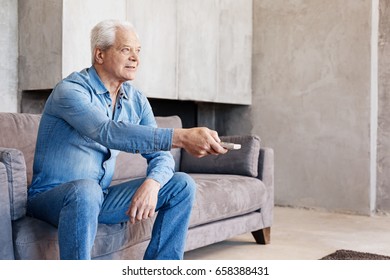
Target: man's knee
186	181
86	192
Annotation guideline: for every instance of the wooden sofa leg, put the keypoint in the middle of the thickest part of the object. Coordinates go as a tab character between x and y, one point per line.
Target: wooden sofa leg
262	236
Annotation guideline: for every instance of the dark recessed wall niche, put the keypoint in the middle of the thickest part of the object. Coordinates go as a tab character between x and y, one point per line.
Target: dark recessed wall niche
186	110
33	101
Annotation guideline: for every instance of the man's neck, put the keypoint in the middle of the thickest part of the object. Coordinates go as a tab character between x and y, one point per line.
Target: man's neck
113	86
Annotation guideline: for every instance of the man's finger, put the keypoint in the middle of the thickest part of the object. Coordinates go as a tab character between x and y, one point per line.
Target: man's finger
151	213
132	212
214	134
218	149
135	212
146	214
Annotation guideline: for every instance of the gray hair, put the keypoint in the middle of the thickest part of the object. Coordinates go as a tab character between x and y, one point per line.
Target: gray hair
103	34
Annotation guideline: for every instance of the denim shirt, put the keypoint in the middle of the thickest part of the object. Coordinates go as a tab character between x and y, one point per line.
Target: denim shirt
80	135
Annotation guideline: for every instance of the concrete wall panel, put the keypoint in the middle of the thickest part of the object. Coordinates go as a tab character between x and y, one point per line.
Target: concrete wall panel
311	83
9	56
383	182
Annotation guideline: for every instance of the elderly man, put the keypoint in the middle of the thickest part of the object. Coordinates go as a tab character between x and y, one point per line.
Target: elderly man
89	117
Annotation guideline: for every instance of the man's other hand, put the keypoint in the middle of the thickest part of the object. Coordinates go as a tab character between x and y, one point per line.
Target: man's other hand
143	205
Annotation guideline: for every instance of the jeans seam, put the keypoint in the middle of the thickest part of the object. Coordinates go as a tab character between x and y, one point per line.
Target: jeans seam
159	233
76	190
77	220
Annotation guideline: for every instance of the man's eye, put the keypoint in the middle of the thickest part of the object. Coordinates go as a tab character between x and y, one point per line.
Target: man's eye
125	50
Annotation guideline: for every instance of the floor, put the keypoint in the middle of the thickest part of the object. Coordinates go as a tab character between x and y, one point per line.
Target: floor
299	234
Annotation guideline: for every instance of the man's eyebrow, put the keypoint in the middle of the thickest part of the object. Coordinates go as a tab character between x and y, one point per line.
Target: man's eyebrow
129	46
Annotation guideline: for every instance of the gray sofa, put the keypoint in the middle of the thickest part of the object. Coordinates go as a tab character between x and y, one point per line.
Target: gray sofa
235	195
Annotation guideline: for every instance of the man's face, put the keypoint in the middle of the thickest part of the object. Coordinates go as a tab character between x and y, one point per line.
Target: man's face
120	62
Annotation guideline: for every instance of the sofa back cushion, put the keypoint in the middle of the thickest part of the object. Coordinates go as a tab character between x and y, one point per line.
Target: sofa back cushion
19	131
129	166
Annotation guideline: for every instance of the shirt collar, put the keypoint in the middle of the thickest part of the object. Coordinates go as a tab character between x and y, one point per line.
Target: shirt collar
123	93
100	87
96	81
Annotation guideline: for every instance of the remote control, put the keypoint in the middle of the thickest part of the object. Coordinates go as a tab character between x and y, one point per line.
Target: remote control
230	146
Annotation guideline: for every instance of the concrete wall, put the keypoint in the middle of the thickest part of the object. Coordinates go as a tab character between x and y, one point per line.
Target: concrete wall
54	37
312	101
383	191
40	43
76	29
188	55
9	56
312	97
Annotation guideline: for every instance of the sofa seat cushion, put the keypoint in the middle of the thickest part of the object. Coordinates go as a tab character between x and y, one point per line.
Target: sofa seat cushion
36	239
224	196
218	197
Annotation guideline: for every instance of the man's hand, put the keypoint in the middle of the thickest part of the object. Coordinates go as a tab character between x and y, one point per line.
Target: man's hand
143	205
198	141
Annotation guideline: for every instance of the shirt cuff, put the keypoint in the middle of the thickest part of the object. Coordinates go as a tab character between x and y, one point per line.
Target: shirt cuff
163	139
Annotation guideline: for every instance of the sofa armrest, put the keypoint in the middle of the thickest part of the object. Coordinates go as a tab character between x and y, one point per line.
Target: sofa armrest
15	165
266	174
6	244
238	162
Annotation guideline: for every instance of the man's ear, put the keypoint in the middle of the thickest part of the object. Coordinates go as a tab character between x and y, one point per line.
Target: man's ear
99	56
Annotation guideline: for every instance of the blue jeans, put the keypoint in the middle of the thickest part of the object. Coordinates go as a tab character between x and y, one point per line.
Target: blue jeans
77	207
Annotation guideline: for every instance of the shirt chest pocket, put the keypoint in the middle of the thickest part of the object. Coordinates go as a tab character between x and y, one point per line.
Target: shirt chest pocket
129	116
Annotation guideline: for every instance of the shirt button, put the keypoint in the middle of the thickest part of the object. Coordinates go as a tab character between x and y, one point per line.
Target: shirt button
137	151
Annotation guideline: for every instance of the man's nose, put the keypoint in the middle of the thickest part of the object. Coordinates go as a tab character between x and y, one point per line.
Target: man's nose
134	56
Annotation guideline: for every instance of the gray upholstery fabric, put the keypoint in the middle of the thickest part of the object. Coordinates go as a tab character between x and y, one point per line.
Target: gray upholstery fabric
266	175
19	131
129	166
36	239
171	122
14	162
220	197
6	248
240	162
135	252
220	230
